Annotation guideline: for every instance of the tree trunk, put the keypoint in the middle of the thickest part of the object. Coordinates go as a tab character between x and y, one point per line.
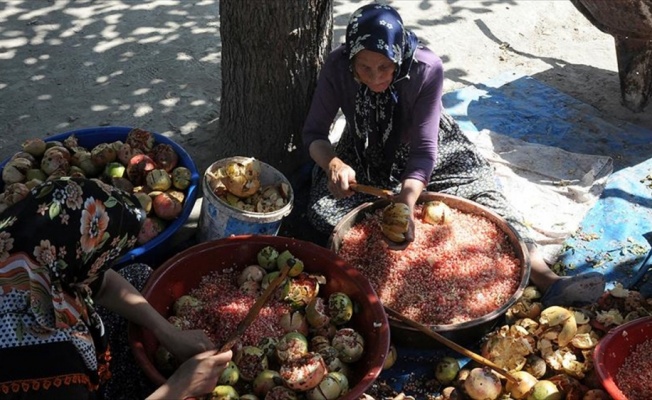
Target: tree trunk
272	52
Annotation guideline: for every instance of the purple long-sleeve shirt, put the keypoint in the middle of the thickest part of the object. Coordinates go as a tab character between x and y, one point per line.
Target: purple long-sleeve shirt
419	104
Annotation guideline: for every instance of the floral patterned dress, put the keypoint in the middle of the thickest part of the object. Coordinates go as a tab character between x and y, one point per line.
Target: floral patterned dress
55	246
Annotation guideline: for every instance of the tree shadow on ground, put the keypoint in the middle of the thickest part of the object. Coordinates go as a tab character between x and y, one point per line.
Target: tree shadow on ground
131	63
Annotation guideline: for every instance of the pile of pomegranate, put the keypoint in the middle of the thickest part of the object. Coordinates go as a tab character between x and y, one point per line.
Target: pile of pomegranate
239	184
139	165
300	346
548	350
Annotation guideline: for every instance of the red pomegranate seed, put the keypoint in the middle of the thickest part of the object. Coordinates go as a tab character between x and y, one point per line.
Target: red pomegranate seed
634	377
225	305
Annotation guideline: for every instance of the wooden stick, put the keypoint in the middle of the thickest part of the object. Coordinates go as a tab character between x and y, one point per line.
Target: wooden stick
374	191
258	305
442	339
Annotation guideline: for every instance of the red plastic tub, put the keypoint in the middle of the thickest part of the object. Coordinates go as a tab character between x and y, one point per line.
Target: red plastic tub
183	272
614	348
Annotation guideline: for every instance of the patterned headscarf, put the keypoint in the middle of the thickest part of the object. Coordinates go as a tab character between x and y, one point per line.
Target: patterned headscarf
379	28
71	229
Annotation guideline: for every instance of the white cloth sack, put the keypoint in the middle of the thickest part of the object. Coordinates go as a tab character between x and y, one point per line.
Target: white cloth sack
553	189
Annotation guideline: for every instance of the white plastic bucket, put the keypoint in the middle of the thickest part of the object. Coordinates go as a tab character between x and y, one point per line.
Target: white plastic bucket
218	219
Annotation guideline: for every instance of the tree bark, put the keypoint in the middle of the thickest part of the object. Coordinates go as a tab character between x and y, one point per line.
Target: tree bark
272	52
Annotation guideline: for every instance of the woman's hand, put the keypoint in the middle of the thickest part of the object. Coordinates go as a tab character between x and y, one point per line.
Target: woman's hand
194	378
340	175
184	344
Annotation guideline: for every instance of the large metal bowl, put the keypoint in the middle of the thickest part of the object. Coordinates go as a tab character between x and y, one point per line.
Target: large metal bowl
466	332
183	272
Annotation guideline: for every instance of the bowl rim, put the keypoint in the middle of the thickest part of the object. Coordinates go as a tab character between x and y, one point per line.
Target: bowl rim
378	355
600	361
191	194
521	251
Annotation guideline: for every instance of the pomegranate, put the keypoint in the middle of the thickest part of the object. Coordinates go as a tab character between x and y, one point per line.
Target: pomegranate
292	345
265	381
177	194
250	287
16	170
53	161
303	373
224	392
140	139
242	179
158	179
61	149
286	258
349	344
184	304
483	384
166	207
446	370
281	393
545	390
103	154
82	159
332	359
251	273
14	193
114	170
181	177
331	387
251	361
340	308
35	147
316	313
164	156
294	322
300	290
267	257
125	153
230	375
395	221
318	342
138	168
525	385
392	356
268	345
145	201
71	143
437	213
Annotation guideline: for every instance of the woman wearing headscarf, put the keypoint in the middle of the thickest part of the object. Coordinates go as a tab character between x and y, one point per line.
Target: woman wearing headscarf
389	88
56	249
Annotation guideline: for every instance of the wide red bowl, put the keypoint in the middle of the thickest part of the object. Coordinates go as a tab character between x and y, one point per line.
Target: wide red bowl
183	272
614	348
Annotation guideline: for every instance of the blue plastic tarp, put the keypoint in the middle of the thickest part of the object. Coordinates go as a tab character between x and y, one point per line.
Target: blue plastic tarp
611	238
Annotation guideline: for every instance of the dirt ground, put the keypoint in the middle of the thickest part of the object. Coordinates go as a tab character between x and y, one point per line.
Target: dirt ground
71	64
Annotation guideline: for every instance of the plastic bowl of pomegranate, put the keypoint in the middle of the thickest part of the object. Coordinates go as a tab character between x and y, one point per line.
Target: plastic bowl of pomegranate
154	250
458	277
623	360
200	271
